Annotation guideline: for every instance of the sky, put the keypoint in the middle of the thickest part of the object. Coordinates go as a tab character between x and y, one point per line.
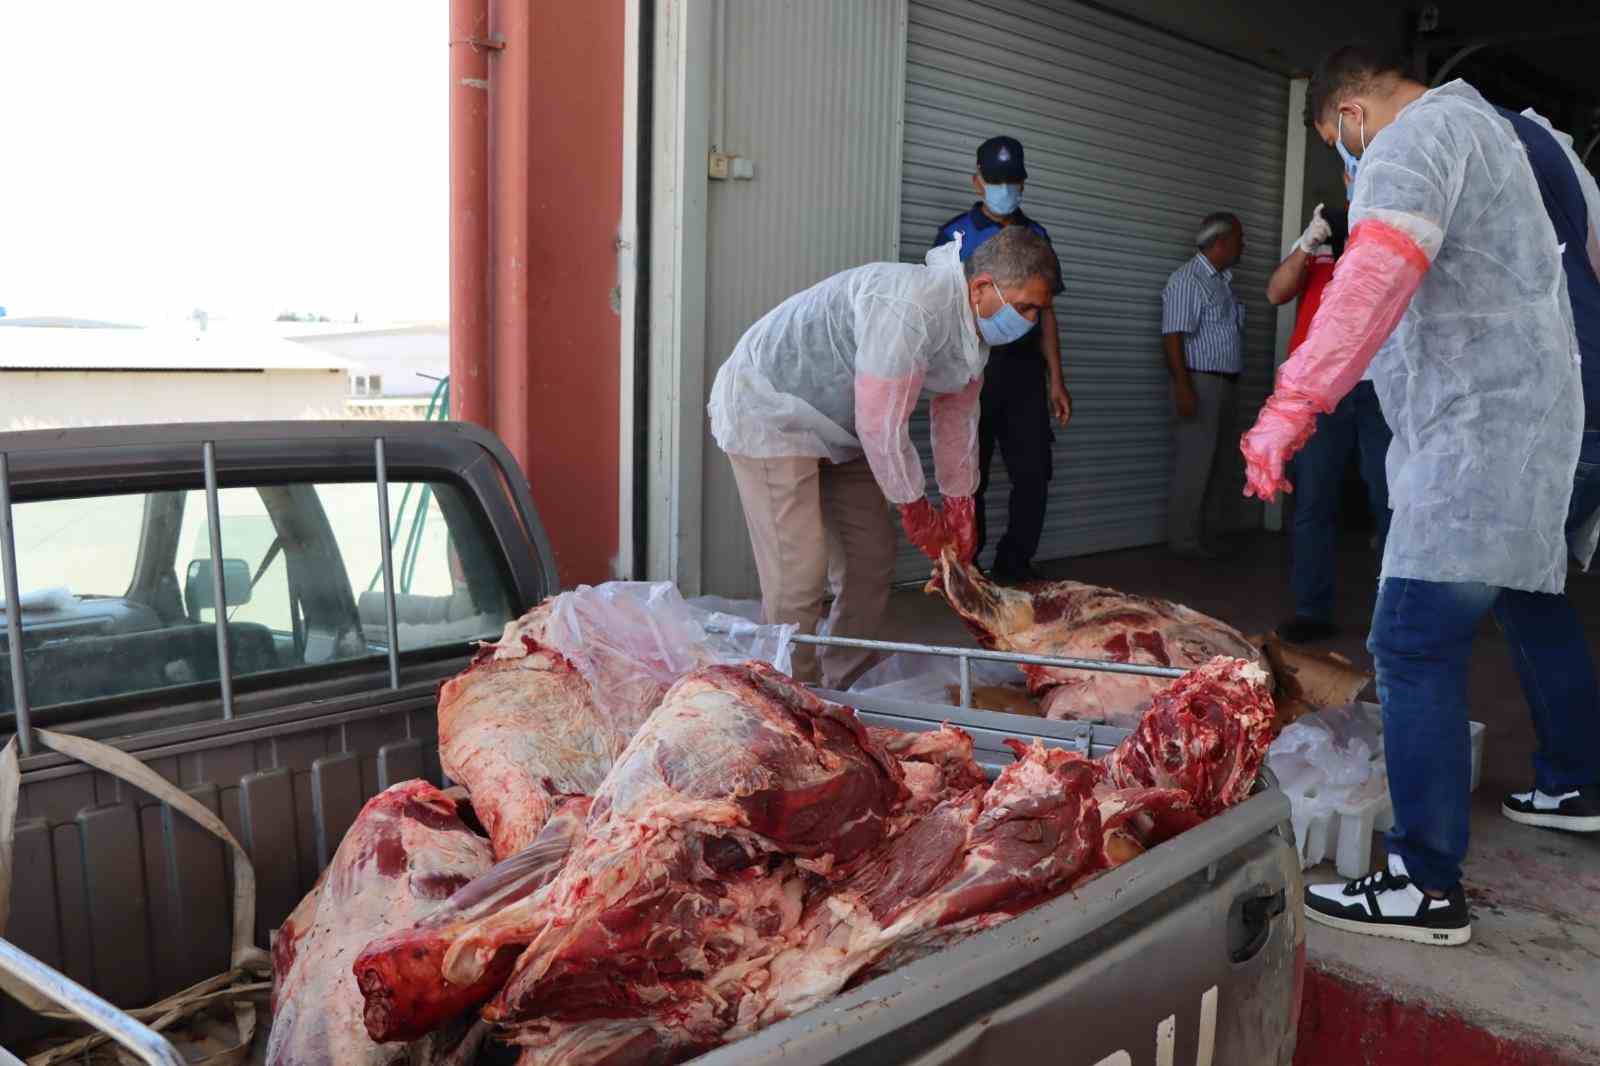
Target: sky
242	158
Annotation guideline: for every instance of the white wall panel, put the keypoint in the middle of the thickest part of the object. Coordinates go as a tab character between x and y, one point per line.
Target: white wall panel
811	91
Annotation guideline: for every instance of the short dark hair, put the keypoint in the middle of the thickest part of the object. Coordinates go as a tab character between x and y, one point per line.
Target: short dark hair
1352	68
1013	256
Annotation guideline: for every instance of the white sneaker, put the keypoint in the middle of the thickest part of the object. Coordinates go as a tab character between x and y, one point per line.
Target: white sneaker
1387	904
1575	812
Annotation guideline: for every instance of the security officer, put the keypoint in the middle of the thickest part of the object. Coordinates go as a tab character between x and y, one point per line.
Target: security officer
1017	399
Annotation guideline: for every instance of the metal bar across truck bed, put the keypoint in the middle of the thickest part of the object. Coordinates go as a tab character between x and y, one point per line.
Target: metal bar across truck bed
966	655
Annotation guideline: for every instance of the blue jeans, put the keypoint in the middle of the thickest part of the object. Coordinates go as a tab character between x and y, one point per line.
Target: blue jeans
1356	425
1422	634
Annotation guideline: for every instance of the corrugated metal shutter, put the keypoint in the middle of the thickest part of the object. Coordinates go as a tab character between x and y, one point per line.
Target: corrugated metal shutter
1132	136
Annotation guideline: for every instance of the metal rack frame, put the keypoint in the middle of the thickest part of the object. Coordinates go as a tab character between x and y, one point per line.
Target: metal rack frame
964	657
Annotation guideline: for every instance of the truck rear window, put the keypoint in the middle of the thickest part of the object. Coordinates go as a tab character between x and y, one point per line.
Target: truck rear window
117	591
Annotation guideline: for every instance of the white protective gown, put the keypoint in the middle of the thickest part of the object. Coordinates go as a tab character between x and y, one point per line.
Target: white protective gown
1453	261
835	371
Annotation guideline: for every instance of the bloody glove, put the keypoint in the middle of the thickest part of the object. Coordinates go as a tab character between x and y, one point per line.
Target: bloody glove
924	527
1281	430
961	526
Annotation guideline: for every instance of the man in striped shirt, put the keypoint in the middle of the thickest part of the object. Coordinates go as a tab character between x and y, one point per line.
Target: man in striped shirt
1202	326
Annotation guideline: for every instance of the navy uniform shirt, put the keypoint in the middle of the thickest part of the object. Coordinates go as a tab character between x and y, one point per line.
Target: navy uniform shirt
975	227
1569	214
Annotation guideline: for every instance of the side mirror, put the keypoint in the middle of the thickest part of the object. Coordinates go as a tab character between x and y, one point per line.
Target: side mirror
197	587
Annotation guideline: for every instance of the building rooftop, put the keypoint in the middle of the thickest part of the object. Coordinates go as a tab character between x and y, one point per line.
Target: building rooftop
69	346
409	359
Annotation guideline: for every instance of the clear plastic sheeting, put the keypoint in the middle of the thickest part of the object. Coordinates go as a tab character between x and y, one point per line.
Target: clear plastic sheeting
749	610
631	640
835	371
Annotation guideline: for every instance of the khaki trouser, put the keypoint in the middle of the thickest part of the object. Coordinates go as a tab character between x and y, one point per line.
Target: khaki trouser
815	525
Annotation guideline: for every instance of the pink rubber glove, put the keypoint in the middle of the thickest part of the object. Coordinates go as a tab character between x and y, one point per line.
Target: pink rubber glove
1281	430
961	526
1380	271
924	527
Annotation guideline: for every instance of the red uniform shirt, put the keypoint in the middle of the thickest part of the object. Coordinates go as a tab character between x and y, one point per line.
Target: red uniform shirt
1317	277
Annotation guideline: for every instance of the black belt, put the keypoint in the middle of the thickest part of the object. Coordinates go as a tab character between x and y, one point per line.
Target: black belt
1217	374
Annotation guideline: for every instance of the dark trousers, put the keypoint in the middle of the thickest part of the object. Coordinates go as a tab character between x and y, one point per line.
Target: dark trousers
1014	413
1356	425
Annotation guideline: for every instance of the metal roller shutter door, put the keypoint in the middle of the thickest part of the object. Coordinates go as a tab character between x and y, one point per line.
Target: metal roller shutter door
1132	136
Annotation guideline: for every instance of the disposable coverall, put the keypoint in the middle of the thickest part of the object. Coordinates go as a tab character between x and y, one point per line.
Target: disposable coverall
825	384
1450	251
835	371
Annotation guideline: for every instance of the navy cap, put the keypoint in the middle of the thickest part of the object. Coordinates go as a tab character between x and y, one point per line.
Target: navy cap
1000	160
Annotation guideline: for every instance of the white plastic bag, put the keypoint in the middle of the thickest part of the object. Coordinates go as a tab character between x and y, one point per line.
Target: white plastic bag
1329	763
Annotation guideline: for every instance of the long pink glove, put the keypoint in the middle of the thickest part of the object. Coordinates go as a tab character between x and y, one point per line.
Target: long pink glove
953	426
924	527
961	526
1373	283
883	426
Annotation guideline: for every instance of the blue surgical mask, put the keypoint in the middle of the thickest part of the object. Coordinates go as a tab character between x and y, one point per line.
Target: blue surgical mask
1002	199
1005	325
1352	162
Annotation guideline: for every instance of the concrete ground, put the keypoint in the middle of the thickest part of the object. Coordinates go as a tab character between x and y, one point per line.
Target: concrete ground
1533	969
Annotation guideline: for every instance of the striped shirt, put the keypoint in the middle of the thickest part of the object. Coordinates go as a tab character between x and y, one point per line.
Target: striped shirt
1199	303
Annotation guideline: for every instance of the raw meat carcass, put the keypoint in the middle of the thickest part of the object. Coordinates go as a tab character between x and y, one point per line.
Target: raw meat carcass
974	862
519	729
406	852
1073	620
401	975
1208	735
770	940
742	792
935	764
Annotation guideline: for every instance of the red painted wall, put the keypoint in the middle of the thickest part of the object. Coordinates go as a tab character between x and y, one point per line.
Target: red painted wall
564	431
1348	1023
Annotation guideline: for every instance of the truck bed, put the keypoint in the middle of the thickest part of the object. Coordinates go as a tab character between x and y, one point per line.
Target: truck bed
1189	953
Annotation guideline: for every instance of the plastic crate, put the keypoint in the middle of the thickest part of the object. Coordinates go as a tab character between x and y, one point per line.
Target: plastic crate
1345	835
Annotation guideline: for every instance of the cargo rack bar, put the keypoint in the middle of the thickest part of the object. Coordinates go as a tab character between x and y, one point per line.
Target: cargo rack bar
140	1040
964	657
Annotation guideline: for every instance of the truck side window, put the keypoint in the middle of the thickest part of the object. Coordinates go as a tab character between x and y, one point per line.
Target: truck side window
118	598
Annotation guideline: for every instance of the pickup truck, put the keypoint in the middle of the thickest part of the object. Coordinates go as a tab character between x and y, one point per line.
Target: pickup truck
358	563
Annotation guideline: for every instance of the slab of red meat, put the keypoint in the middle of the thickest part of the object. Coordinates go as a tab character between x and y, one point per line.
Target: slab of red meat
401	976
1073	620
975	861
935	764
406	852
1207	735
740	793
1134	820
520	728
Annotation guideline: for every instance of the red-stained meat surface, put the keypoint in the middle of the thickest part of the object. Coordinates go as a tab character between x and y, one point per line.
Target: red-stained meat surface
1077	621
406	852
